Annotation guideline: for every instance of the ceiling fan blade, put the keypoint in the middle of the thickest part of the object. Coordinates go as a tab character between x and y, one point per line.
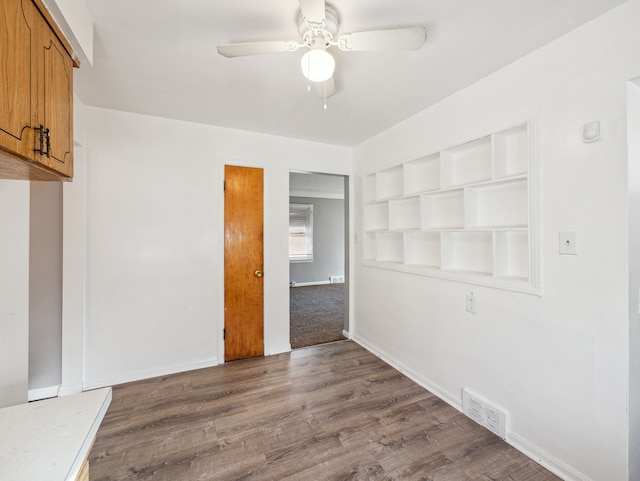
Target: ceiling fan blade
409	38
313	10
330	88
257	48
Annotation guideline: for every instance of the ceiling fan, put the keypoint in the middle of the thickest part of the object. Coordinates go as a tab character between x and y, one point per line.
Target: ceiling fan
317	25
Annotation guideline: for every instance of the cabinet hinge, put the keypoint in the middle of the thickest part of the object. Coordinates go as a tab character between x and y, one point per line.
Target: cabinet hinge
224	334
224	185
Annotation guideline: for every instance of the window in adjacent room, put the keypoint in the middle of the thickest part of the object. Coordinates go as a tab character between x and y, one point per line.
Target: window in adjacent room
301	232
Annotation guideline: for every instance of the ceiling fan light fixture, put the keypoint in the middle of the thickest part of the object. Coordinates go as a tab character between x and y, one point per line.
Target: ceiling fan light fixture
317	64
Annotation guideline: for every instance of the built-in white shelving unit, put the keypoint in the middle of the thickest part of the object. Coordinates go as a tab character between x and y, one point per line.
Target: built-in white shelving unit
467	213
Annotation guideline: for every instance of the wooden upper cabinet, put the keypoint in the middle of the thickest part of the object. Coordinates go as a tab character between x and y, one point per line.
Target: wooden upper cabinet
55	103
36	94
17	91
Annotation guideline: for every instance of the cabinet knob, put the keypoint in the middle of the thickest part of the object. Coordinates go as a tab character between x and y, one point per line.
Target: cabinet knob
258	273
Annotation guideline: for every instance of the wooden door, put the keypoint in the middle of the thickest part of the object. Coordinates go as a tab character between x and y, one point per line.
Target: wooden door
243	263
18	86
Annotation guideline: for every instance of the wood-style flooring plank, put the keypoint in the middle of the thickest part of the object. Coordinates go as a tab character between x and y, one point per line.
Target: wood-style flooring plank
333	412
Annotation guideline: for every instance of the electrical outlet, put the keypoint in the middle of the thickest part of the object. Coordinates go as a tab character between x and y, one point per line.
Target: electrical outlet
471	303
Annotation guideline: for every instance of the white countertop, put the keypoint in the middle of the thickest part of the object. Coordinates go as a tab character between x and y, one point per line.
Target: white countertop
49	440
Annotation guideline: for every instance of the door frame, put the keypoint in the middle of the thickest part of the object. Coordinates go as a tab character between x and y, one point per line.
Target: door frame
350	239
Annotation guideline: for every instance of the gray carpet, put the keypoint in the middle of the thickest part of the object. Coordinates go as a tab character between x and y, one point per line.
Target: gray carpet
317	314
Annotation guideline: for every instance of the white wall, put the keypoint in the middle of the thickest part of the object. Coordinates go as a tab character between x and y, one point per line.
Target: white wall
309	184
14	292
328	242
74	222
45	289
557	363
154	239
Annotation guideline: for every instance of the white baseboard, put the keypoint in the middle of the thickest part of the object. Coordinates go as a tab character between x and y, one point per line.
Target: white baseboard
540	456
312	283
543	458
346	334
146	374
43	393
70	389
279	349
411	374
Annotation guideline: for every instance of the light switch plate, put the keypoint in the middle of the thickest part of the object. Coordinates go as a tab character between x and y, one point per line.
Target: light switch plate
471	303
567	243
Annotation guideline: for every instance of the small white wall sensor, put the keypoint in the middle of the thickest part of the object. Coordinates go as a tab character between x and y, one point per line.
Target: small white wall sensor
591	131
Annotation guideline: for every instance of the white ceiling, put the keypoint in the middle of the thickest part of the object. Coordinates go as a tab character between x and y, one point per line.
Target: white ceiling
307	184
158	57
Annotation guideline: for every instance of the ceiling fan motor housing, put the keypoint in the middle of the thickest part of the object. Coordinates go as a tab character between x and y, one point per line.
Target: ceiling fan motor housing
313	33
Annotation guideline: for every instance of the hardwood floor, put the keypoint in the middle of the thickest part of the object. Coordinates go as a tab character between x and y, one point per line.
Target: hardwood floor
329	412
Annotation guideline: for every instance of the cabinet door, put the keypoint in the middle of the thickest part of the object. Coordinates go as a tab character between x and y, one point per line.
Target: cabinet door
55	101
17	70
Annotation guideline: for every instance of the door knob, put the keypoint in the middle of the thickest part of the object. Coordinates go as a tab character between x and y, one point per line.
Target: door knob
258	273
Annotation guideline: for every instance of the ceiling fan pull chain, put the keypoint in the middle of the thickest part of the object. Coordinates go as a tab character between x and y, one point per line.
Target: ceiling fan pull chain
325	95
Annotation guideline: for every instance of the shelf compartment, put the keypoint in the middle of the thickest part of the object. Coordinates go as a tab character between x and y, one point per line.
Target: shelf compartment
389	247
444	210
422	175
404	213
370	188
511	152
422	249
463	213
377	216
503	204
390	183
470	252
467	163
512	255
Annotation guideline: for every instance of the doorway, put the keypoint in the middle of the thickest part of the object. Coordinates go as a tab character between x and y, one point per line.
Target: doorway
633	179
243	262
318	258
